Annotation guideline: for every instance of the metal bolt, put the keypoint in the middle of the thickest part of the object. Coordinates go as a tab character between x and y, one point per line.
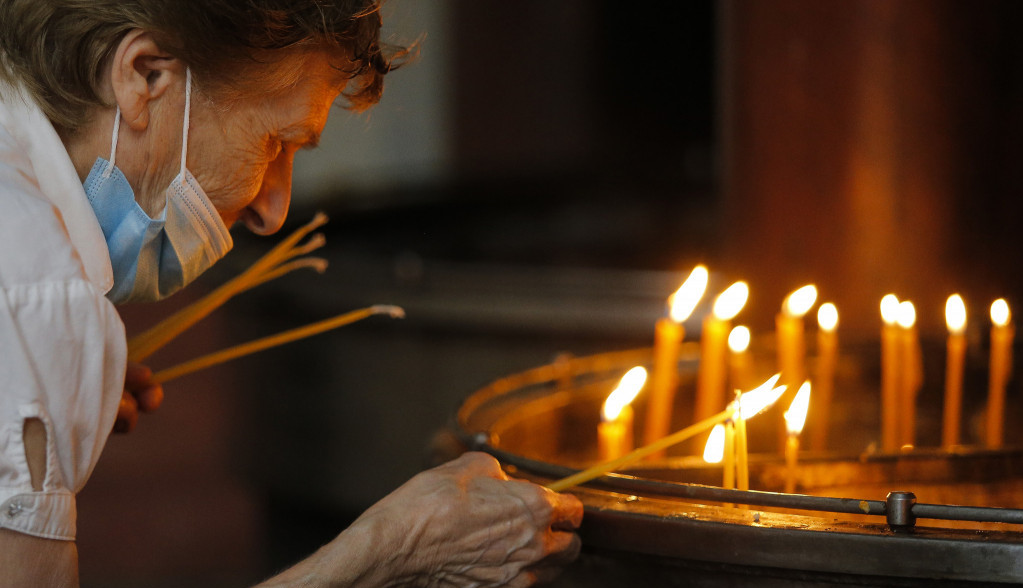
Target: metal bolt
482	439
899	509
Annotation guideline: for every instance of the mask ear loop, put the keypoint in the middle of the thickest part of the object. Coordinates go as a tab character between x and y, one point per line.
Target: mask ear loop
113	144
184	133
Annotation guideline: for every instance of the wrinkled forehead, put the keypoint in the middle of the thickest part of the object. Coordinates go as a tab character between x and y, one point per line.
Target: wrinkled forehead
273	74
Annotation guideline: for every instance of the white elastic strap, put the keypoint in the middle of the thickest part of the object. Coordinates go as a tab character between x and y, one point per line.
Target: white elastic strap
184	133
113	144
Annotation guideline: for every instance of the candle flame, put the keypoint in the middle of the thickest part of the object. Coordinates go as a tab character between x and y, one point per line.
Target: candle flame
760	398
890	309
795	416
1000	314
730	302
688	295
955	314
629	386
907	314
738	339
714	451
801	301
827	317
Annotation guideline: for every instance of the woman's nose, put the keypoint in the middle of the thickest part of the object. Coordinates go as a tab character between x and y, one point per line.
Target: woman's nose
265	215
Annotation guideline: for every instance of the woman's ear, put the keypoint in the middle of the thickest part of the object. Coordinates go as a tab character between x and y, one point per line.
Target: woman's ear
140	72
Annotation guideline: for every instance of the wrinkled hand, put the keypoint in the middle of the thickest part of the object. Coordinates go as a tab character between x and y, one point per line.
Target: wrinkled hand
140	394
466	524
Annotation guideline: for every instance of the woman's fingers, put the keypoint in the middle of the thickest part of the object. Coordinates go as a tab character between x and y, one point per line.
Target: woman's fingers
149	399
474	464
140	394
562	547
137	375
568	512
138	380
127	414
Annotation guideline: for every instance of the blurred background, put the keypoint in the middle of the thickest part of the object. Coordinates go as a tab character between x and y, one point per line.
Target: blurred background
538	181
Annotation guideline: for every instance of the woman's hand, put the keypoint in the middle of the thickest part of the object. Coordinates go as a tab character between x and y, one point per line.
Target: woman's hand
466	524
140	394
460	524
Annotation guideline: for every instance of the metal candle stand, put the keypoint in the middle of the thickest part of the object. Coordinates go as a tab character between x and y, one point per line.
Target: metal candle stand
658	522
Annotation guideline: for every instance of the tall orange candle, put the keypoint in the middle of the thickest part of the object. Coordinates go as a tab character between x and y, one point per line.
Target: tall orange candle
748	406
668	336
890	373
739	377
911	373
955	319
710	379
614	433
1002	333
791	338
741	452
795	418
728	477
827	355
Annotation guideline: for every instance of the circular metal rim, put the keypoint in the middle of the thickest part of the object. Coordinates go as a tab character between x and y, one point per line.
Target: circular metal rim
842	548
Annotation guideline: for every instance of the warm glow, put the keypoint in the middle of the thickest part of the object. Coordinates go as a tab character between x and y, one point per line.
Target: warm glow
731	301
738	339
801	301
685	299
907	314
955	314
827	317
1000	312
890	309
795	416
760	399
629	386
714	451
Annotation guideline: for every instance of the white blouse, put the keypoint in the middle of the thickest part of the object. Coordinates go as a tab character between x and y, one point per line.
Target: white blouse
62	343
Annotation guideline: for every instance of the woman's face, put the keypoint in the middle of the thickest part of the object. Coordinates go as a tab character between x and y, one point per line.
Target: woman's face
242	154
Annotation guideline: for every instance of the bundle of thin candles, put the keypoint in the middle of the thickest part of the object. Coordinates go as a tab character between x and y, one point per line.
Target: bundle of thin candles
277	262
747	405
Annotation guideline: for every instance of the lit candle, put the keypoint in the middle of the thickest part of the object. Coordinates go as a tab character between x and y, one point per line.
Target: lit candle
911	373
760	399
1002	332
710	379
739	361
955	319
748	406
728	477
668	336
890	373
614	433
716	449
795	418
741	450
827	354
791	339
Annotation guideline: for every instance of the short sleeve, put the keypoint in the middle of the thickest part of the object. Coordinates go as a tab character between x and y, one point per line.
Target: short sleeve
62	360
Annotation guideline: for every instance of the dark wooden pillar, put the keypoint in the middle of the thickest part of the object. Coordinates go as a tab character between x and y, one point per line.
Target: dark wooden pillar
854	136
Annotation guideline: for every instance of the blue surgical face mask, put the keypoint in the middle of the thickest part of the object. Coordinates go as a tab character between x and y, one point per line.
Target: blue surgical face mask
154	257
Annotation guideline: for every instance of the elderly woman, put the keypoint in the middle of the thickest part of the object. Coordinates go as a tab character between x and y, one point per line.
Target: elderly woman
133	135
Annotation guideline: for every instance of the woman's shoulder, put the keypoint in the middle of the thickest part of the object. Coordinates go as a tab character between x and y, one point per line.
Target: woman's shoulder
34	241
37	242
